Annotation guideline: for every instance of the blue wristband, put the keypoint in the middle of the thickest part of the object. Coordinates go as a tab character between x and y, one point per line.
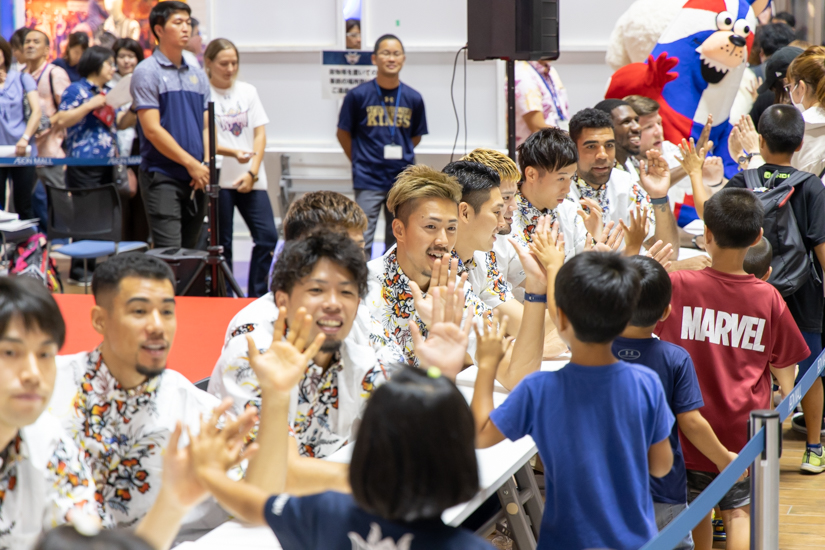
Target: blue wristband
535	298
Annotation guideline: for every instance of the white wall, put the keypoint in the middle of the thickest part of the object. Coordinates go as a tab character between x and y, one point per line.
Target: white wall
280	54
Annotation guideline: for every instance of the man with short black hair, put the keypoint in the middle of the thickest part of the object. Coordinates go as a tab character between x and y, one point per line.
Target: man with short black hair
119	402
380	123
170	98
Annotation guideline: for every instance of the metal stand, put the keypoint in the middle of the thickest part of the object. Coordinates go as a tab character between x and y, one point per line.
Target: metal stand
765	482
511	109
219	269
523	507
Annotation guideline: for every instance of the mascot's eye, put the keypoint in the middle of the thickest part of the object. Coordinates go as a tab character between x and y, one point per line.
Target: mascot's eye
724	21
742	28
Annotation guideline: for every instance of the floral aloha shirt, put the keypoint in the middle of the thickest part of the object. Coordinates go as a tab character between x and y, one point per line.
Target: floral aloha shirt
91	137
122	434
327	404
487	280
42	479
617	198
390	302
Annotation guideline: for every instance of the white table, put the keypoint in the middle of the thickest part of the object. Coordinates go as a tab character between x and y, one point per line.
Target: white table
497	465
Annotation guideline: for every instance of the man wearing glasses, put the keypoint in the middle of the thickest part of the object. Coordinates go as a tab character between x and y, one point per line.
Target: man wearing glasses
380	123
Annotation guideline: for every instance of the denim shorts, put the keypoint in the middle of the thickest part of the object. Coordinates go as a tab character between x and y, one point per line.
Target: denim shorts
738	496
666	513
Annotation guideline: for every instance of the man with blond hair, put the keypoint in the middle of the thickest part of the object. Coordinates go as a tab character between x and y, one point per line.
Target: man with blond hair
424	203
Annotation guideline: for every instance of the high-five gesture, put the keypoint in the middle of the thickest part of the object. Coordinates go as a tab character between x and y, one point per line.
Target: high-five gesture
548	245
593	218
610	241
661	252
636	233
218	448
654	175
441	274
446	343
281	367
692	159
492	343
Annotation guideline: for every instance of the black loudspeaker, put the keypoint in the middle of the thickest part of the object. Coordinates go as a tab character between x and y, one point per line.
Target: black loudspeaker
512	29
185	263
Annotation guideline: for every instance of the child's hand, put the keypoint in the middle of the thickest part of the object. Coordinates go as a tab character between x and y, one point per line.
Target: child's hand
713	172
593	219
636	233
216	449
692	160
281	367
725	463
661	253
492	343
654	175
444	270
446	343
548	245
610	241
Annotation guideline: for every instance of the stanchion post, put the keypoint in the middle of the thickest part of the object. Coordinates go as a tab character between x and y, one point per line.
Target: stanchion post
765	482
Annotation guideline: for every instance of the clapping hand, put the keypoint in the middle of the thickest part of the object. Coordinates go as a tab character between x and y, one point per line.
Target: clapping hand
703	143
282	366
446	343
548	245
441	274
692	159
748	135
610	241
636	233
492	343
654	175
593	218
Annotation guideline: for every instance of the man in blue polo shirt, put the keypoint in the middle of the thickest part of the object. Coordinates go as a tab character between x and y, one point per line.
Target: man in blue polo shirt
170	98
381	121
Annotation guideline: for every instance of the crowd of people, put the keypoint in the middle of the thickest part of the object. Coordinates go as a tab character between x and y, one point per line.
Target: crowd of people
574	248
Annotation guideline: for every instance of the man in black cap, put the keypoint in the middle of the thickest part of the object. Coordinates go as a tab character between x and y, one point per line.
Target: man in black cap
772	89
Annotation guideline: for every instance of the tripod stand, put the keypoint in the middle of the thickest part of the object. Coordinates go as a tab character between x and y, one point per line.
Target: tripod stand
219	273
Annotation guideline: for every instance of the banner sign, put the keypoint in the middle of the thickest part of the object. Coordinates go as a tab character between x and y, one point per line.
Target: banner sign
342	71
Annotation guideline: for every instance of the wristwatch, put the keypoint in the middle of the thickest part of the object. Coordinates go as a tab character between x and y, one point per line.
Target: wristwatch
745	159
27	138
254	176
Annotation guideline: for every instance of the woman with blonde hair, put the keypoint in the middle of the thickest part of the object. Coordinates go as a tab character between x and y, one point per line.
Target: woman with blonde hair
240	123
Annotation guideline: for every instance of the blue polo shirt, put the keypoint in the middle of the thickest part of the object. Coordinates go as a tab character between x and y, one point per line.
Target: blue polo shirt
181	94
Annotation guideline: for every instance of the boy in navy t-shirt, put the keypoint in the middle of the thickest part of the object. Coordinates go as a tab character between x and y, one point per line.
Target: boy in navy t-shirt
675	369
601	425
380	123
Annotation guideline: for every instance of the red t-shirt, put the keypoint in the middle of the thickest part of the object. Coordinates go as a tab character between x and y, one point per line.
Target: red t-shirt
734	327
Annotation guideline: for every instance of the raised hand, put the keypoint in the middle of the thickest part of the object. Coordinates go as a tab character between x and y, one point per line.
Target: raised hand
654	175
548	246
702	143
446	343
748	135
635	234
439	277
492	343
713	172
692	159
536	275
179	478
281	367
593	218
661	252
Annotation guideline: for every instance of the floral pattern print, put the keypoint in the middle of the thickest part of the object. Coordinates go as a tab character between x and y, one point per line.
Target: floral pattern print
617	197
485	278
41	451
91	137
526	218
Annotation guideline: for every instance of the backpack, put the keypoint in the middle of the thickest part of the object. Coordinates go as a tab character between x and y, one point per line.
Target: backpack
31	259
791	263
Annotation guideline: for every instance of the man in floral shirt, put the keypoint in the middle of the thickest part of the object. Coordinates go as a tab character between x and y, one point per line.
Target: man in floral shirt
42	476
119	402
425	205
614	190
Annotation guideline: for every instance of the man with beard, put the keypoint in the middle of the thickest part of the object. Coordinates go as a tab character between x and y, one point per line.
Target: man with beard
119	403
602	139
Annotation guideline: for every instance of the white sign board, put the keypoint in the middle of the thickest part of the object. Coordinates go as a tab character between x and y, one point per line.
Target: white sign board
342	71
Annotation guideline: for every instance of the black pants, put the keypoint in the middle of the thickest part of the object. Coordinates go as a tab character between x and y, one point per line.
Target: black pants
175	215
372	202
23	179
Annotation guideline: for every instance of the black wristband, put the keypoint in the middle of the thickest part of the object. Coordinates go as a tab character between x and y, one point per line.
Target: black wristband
662	200
535	298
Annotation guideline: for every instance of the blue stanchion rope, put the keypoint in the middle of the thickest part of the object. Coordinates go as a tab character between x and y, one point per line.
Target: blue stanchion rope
48	161
669	537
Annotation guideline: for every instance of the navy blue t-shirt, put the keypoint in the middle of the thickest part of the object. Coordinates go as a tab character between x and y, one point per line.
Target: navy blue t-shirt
364	116
675	369
594	427
332	521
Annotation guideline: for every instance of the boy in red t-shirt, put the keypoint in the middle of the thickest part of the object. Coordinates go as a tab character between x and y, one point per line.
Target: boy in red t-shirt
735	328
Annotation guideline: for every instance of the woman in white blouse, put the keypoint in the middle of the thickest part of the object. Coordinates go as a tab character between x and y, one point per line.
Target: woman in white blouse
240	123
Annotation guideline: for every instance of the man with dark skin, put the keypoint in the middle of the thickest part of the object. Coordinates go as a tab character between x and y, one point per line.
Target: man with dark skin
626	128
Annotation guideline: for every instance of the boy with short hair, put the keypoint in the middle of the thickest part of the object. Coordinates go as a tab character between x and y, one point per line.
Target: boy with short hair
781	130
675	369
595	295
733	341
758	260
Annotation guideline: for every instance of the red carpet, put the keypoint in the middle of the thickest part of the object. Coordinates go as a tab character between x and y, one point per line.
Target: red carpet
202	326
